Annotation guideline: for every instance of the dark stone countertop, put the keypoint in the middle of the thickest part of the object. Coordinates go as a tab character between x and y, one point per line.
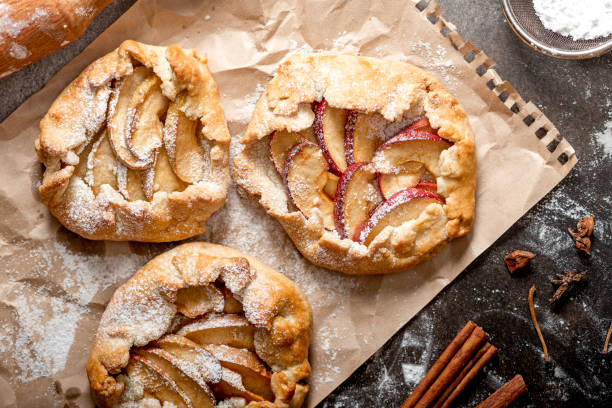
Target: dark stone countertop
577	97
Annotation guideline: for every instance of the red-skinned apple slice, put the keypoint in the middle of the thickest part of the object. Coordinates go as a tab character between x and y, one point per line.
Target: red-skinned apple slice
403	206
407	175
305	175
360	138
413	174
421	124
410	145
433	187
281	142
329	130
349	134
356	196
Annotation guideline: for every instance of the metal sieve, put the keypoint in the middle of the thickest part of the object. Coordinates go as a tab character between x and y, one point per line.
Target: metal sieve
527	25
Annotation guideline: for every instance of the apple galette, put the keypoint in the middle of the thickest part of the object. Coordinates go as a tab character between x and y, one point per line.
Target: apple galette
136	147
199	326
368	164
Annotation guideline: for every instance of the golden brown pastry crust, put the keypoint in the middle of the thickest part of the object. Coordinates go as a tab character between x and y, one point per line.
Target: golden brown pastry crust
80	113
395	90
143	308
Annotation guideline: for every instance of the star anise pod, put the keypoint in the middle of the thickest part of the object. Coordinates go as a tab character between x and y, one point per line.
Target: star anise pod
518	259
584	229
584	244
565	281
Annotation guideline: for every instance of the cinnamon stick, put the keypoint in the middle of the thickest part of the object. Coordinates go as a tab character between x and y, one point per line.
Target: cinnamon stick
535	322
605	350
506	395
462	375
439	365
469	372
454	367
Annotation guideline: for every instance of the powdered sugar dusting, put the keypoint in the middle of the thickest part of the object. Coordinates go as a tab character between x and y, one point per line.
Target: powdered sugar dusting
47	317
18	51
232	378
46	328
214	320
84	11
435	60
604	137
252	98
11	27
573	19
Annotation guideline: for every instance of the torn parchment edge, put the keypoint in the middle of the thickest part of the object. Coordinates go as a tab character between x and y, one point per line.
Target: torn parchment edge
557	150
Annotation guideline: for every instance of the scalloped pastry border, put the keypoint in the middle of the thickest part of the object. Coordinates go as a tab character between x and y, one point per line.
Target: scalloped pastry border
390	88
273	304
77	115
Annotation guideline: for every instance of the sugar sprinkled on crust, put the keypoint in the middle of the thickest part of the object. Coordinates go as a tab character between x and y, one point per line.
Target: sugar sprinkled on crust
392	94
143	310
173	209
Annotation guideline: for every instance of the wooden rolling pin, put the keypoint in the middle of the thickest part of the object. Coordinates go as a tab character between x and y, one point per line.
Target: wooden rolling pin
31	29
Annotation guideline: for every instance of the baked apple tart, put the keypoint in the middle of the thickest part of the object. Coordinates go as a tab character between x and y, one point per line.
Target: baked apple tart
368	164
199	326
136	147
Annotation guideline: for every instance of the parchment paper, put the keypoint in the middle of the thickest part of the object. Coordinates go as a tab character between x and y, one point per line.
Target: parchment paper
54	285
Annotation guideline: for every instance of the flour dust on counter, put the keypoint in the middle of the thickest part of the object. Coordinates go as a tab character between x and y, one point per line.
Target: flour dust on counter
410	354
43	311
604	138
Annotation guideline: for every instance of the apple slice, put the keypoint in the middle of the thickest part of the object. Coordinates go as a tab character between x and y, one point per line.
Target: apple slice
143	135
410	145
101	164
231	304
186	375
187	158
129	183
119	126
349	133
230	329
164	178
331	186
405	176
255	376
361	138
196	300
390	184
329	130
184	349
305	175
433	187
403	206
282	141
156	382
421	124
356	196
231	386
